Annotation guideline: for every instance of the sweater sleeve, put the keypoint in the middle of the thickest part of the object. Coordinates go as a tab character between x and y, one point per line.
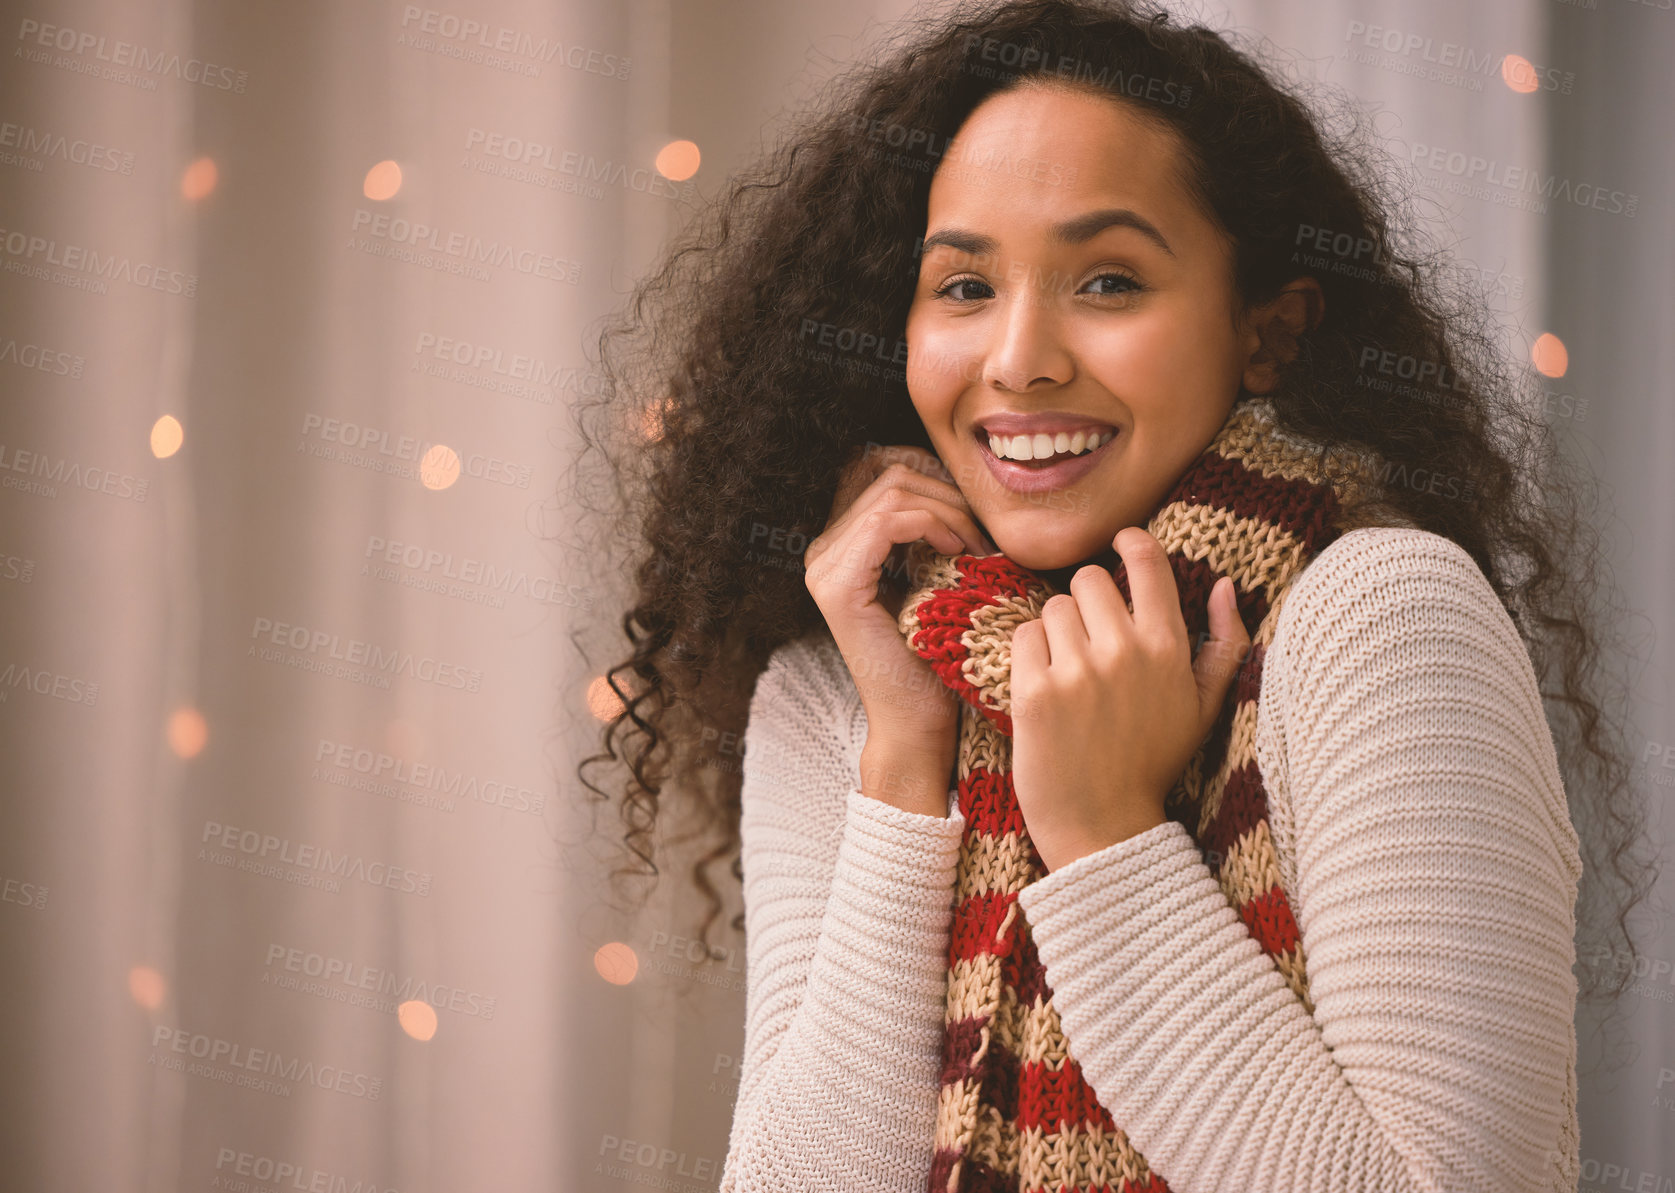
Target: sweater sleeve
848	906
1436	882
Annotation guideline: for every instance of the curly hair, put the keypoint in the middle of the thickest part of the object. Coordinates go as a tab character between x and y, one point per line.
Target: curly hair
764	351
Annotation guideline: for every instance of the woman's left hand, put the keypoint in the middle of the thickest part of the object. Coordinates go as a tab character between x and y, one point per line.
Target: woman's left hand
1108	706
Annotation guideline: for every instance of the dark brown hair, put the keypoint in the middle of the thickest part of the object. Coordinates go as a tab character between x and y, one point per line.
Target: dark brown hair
763	351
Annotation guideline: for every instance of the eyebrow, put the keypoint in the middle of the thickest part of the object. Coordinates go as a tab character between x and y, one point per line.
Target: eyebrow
1077	231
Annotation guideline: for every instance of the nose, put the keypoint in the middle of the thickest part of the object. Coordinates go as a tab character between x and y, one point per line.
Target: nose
1027	348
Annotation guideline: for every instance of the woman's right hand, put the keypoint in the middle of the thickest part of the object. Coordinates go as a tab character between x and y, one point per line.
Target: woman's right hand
889	497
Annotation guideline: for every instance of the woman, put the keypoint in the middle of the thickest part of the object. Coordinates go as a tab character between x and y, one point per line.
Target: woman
1035	893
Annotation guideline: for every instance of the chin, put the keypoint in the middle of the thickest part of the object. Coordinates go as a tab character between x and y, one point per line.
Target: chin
1040	556
1035	559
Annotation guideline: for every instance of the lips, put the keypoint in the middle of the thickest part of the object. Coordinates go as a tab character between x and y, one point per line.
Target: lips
1043	445
1036	478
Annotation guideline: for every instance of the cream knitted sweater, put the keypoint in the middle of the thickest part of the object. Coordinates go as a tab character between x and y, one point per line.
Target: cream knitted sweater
1420	823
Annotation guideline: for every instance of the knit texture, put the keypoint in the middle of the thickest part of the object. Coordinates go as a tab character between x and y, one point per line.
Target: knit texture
1015	1110
1419	825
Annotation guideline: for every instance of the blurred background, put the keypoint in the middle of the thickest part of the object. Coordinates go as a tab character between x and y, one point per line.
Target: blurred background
298	888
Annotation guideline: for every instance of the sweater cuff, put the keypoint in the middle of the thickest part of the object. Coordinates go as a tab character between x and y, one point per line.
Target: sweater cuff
1106	879
882	968
1145	891
892	896
910	847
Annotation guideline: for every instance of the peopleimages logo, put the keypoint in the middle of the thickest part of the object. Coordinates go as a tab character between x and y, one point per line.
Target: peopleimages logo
46	683
472	39
1514	185
118	53
53	361
467	247
231	1163
36	256
379	450
61	470
360	653
265	853
379	767
1453	62
382	989
41	145
530	157
239	1064
515	365
431	568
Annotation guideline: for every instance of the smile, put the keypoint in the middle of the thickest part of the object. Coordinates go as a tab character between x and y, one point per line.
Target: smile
1037	475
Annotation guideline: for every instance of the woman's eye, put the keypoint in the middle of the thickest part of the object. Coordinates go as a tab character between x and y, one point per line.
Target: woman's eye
1107	285
948	288
1122	284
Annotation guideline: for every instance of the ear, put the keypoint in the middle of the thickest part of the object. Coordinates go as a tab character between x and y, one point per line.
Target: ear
1274	328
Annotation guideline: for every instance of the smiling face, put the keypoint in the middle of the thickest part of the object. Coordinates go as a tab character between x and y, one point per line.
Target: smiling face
1069	283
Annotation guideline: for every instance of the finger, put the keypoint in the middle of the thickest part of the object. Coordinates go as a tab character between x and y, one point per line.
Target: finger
905	476
855	558
1067	636
1029	659
1219	658
914	467
903	488
906	489
1099	601
1151	584
972	539
889	528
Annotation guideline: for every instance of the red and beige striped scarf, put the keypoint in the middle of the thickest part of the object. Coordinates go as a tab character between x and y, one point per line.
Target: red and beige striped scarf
1014	1111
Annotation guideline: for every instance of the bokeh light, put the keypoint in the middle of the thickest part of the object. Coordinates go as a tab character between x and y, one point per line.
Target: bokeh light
147	987
187	732
1518	73
616	962
383	181
198	180
603	703
1551	357
678	160
166	436
440	467
417	1018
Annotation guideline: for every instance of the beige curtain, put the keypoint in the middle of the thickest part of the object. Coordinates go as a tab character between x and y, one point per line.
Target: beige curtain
296	888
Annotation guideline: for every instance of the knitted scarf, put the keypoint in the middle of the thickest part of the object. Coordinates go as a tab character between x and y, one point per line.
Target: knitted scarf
1014	1111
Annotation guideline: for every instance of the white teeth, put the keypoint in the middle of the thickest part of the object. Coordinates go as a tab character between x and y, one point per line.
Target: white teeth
1041	445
